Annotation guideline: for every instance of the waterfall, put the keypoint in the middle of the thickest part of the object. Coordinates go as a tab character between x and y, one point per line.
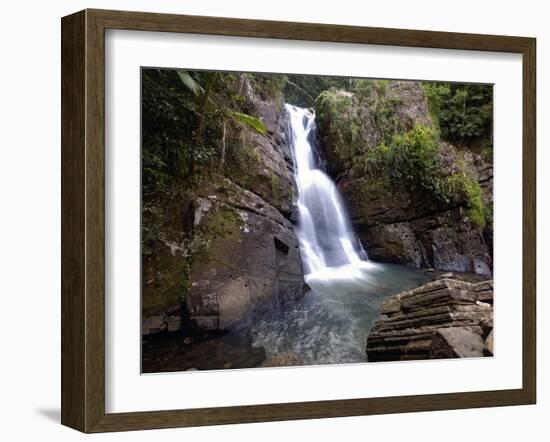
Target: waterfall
328	244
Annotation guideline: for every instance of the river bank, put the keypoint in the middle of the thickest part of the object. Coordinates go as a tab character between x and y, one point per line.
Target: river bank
330	324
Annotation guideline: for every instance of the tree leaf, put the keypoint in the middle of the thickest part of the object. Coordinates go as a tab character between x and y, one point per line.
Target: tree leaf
190	83
249	120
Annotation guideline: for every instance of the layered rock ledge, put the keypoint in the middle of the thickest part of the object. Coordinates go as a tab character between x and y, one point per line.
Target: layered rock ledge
447	318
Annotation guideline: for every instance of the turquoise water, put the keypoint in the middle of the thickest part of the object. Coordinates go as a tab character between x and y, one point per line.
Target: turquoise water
330	324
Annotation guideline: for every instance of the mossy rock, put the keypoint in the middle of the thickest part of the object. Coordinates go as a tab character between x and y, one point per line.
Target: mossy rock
217	238
336	120
351	124
165	282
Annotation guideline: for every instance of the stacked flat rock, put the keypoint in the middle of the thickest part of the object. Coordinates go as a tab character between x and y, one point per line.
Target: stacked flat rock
447	318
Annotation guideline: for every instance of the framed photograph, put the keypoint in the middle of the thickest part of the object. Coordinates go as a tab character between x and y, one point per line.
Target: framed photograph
268	220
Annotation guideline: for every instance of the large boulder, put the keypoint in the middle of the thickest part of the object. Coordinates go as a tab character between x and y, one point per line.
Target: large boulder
447	318
246	258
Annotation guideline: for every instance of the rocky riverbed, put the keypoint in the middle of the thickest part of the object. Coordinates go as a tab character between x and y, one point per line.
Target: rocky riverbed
329	324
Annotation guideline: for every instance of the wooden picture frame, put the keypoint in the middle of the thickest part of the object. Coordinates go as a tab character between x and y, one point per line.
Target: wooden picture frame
83	220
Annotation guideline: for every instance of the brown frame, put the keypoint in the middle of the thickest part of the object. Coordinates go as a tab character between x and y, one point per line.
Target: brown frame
83	216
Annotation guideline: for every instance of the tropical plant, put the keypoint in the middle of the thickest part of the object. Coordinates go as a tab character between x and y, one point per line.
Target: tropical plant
414	158
464	112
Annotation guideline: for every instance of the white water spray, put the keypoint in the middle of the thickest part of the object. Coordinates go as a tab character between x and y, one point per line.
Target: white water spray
329	247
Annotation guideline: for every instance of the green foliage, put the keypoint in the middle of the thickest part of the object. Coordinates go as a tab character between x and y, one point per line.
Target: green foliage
171	113
464	187
189	119
186	118
414	158
353	123
364	87
364	130
302	90
248	120
341	127
268	85
190	83
411	156
464	112
474	199
276	187
336	107
382	86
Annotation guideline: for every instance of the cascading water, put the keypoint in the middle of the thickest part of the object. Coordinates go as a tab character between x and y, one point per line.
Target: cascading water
330	324
328	245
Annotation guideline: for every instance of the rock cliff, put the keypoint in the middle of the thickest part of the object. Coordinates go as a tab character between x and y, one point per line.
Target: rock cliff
227	246
414	198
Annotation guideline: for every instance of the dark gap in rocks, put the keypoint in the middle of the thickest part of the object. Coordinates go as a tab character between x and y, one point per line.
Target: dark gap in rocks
280	246
188	216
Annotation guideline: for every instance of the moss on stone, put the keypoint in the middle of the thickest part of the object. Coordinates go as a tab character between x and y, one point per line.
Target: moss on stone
165	282
340	127
218	237
354	123
414	158
464	186
276	188
222	223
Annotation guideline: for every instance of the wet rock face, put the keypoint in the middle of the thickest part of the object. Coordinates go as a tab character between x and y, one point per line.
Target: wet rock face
394	243
270	176
246	258
447	318
237	248
398	223
402	227
245	254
